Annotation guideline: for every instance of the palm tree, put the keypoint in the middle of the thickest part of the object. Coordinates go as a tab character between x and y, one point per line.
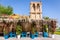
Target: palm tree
6	28
11	25
53	26
33	24
47	22
23	26
46	18
1	27
41	25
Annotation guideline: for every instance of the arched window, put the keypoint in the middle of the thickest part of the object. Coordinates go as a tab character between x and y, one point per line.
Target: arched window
38	7
34	7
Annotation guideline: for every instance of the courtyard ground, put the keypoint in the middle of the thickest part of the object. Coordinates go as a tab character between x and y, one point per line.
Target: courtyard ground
57	37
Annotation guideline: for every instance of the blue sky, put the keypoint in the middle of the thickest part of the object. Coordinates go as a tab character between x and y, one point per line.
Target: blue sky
50	8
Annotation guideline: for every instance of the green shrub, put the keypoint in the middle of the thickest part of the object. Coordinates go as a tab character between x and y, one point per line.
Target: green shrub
58	33
4	31
18	29
45	28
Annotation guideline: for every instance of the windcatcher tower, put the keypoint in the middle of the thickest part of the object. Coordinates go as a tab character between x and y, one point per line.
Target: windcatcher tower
35	10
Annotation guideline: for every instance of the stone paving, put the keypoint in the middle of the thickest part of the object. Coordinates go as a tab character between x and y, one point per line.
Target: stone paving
31	39
57	37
